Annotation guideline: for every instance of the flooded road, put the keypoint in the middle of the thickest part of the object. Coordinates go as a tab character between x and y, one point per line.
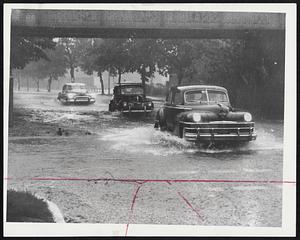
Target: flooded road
125	171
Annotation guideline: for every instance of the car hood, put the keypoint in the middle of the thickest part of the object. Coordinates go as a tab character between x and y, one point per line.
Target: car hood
214	112
79	93
212	107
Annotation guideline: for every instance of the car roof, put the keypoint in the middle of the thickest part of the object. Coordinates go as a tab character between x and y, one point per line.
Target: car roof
194	87
75	84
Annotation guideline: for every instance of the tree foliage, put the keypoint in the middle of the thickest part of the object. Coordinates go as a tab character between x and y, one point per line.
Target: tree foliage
143	55
93	58
252	69
72	50
52	67
27	49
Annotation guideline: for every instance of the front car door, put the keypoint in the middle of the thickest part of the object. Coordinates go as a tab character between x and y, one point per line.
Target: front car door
173	107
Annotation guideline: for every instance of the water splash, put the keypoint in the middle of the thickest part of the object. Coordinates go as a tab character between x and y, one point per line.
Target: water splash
148	140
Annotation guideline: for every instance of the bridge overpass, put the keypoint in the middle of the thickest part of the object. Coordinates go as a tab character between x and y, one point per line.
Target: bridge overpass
147	24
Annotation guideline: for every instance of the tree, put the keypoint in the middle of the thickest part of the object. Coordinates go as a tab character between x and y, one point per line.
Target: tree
31	70
143	55
52	68
26	49
93	59
22	51
105	54
72	49
177	57
115	55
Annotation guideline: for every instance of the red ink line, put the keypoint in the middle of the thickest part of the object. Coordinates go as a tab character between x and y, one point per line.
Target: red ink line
134	197
140	181
132	205
188	203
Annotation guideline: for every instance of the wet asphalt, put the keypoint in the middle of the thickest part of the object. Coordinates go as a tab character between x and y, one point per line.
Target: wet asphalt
125	171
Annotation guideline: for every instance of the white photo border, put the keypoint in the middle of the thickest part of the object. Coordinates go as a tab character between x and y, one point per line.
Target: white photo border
288	227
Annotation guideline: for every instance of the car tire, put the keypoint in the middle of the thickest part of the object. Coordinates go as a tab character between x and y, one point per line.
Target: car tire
162	125
178	130
111	108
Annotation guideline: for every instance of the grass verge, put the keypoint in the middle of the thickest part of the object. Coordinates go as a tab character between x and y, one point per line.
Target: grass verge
25	207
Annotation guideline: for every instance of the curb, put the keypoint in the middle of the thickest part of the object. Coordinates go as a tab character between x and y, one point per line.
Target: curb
56	213
54	210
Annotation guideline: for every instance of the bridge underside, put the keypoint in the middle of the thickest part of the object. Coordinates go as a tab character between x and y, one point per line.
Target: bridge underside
144	24
141	33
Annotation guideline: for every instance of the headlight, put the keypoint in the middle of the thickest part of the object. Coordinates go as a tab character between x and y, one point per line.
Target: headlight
70	95
196	117
124	104
149	104
247	117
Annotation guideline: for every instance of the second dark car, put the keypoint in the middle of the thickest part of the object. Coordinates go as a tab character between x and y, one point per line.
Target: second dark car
130	98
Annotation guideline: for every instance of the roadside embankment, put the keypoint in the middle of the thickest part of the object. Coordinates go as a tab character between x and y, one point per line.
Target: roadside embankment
25	207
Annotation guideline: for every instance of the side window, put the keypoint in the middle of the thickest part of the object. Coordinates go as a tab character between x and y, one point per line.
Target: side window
177	100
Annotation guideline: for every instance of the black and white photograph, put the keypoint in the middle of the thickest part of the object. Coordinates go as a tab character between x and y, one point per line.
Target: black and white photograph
149	119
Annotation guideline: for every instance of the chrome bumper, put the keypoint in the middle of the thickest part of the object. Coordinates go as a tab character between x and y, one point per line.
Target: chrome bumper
79	101
212	133
134	111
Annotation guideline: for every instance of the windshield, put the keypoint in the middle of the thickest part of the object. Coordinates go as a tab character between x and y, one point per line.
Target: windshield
197	96
217	96
134	90
76	88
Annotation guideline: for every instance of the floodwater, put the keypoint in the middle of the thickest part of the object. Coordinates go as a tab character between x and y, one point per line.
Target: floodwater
126	171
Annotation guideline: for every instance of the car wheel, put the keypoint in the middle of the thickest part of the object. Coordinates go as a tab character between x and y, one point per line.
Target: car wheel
163	125
110	108
178	130
161	121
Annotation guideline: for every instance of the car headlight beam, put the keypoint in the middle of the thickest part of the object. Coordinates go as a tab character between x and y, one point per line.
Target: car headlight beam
247	117
196	117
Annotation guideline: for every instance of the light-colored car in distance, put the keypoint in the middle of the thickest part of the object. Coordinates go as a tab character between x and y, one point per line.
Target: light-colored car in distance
75	93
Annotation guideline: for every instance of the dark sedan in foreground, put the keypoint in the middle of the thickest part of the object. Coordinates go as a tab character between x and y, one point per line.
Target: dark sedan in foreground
75	93
204	114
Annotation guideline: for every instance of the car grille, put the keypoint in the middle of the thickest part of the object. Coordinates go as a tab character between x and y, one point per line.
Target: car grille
209	131
237	130
82	99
